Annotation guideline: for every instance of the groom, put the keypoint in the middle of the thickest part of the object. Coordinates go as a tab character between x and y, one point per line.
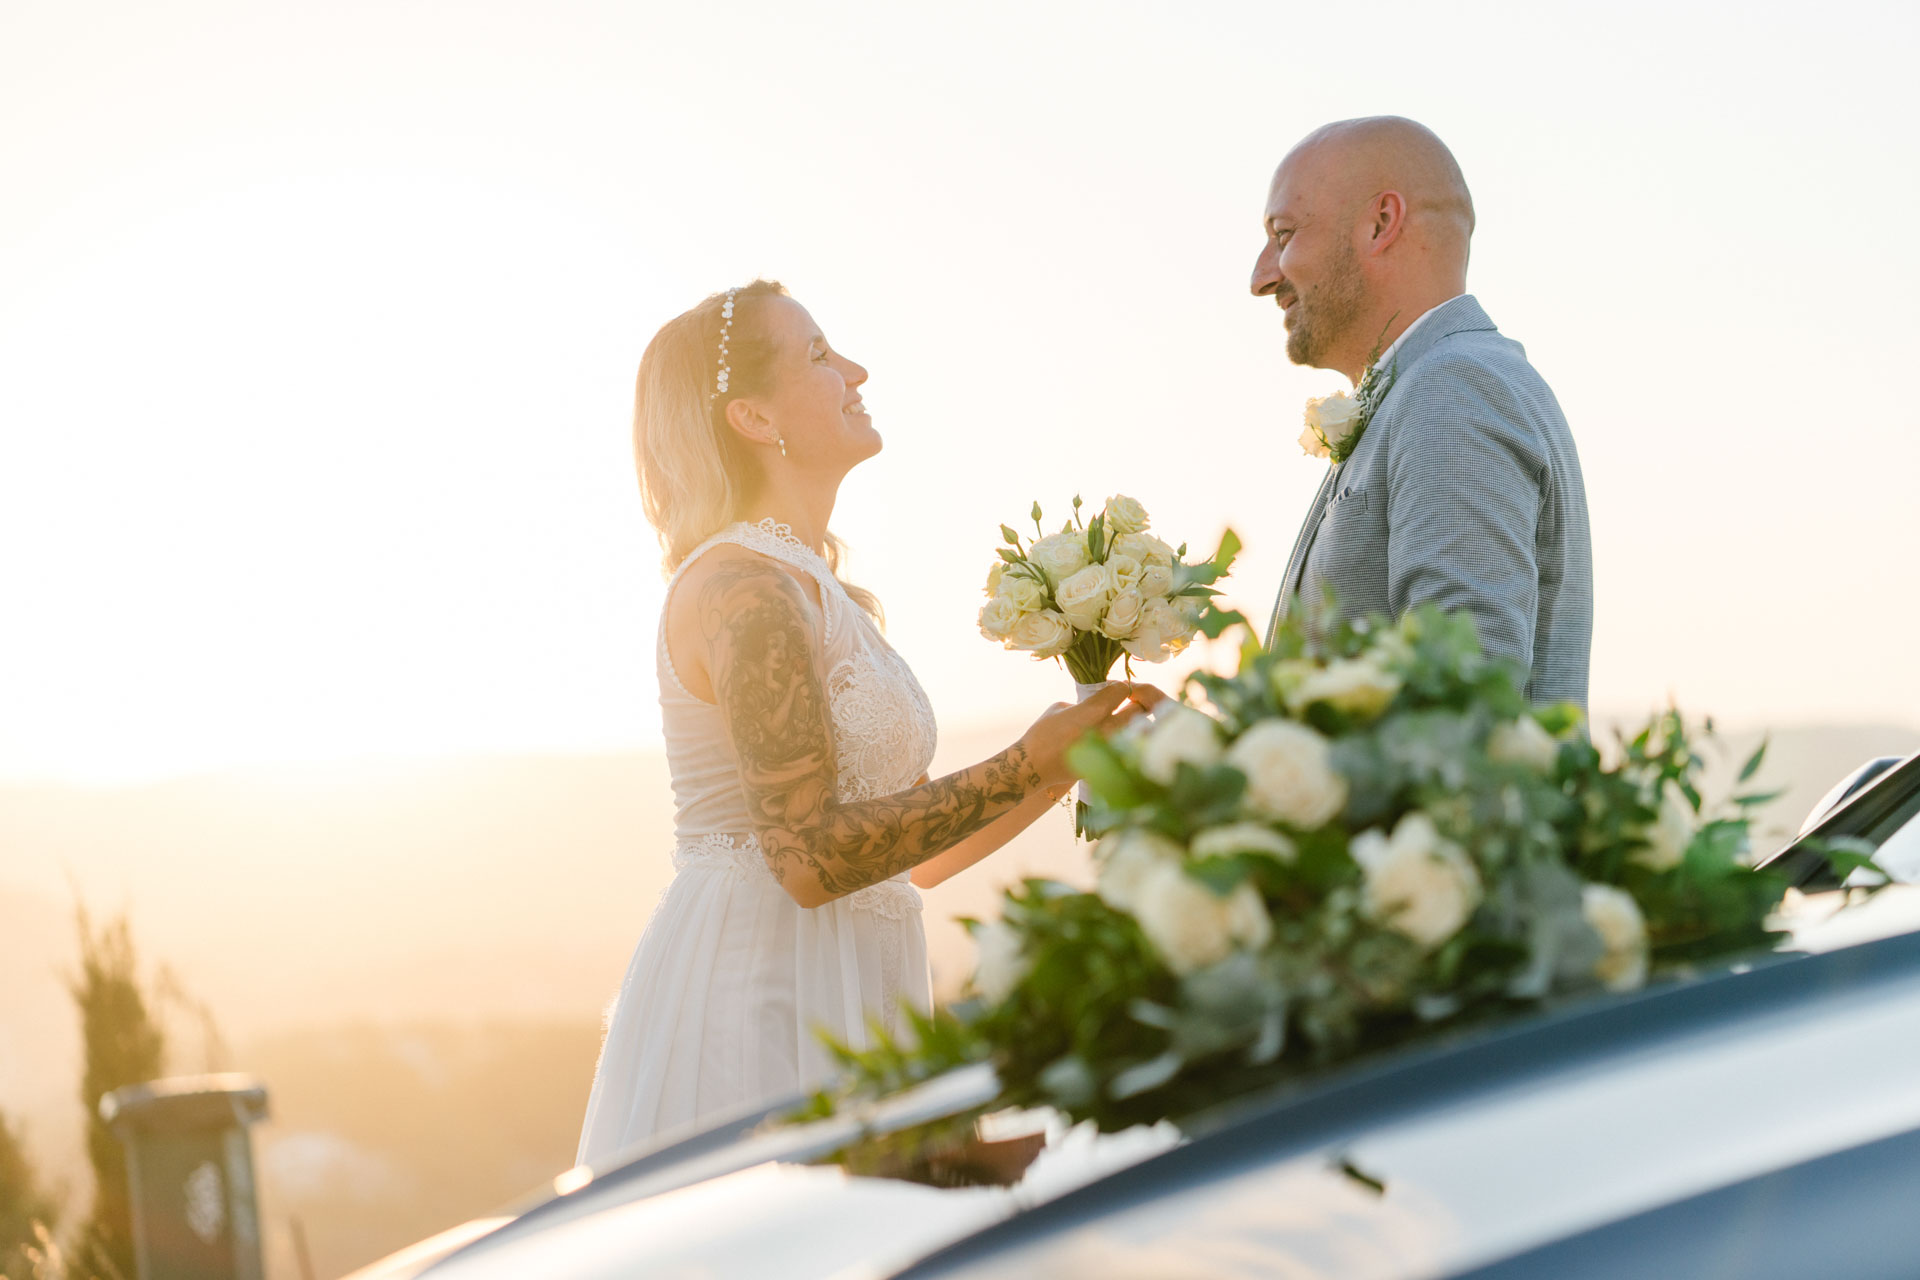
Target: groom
1462	487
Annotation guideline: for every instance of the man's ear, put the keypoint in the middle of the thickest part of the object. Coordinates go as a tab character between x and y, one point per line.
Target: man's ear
1388	220
751	425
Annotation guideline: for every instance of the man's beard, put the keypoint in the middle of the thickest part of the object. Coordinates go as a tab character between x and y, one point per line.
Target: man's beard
1327	313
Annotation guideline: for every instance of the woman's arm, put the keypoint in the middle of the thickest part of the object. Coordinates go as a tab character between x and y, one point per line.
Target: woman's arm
759	637
995	836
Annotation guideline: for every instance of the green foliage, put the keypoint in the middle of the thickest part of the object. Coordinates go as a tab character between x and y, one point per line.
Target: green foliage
26	1209
123	1045
1541	867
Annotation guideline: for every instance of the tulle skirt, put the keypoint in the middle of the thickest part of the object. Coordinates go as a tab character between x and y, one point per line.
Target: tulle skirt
729	986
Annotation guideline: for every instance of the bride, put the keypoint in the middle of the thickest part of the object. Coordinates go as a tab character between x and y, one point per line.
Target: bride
798	740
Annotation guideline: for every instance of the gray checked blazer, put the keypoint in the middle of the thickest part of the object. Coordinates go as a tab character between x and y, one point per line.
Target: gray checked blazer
1464	491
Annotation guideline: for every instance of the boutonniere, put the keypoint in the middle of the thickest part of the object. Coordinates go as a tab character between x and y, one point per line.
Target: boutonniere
1335	423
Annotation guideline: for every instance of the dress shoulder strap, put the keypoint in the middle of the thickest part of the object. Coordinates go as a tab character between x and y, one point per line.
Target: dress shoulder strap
776	542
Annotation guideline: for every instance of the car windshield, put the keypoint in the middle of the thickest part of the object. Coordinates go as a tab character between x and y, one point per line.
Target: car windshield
1894	833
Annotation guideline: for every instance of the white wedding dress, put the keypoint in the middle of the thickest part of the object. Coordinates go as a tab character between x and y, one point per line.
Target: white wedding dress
732	978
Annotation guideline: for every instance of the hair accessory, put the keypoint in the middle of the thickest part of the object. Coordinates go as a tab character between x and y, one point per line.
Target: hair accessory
726	326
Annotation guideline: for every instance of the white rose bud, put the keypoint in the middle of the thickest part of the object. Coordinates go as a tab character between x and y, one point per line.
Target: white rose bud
1670	834
1023	592
1125	569
1417	883
1125	515
1191	926
1060	555
1044	634
1180	735
1525	743
999	617
1615	916
1125	859
1242	837
1290	774
1330	419
1357	686
1083	597
1145	548
1123	616
1001	964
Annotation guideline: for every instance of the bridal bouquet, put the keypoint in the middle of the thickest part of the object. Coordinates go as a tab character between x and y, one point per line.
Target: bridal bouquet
1356	844
1100	590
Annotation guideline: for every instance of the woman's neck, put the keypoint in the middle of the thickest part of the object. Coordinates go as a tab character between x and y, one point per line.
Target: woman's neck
806	512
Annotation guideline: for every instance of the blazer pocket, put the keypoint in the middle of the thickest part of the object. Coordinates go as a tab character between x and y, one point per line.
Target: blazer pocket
1348	502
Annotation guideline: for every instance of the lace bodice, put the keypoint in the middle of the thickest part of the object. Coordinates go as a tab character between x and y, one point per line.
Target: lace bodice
883	725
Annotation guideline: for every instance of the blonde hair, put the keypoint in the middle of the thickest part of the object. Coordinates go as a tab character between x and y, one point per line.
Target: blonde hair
697	475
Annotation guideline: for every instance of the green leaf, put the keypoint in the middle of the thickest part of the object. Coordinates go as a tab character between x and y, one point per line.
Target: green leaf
1752	766
1096	760
1097	537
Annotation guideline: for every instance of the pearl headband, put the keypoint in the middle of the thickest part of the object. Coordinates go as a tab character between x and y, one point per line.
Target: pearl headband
726	326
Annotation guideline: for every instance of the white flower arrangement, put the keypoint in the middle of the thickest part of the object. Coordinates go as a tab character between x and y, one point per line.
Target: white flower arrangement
1096	591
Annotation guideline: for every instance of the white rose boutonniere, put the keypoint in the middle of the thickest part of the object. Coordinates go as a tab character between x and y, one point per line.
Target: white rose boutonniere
1330	420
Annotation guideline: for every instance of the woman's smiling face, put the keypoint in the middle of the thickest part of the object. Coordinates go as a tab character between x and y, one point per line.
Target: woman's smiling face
815	403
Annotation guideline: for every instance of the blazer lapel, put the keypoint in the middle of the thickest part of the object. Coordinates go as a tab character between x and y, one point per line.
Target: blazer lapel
1297	562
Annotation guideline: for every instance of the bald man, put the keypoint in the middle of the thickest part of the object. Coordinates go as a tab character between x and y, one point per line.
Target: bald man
1461	486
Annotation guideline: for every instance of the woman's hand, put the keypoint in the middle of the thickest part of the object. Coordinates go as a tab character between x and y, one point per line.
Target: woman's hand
1105	710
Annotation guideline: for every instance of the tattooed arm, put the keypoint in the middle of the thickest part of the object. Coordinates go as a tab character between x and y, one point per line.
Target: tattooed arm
758	629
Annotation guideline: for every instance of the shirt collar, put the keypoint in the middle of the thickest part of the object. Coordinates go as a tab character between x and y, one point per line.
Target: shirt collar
1387	356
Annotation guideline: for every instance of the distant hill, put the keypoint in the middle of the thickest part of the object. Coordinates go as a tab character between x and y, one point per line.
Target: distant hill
415	956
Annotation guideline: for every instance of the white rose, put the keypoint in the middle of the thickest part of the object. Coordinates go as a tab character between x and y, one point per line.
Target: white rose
1615	916
1125	860
1330	419
1417	883
1191	926
1125	515
1125	569
1242	837
1162	632
1156	579
1123	616
1083	597
1290	774
1044	634
1026	594
1670	834
1001	964
1525	743
1143	547
1357	686
994	575
1180	735
999	617
1312	445
1190	608
1060	555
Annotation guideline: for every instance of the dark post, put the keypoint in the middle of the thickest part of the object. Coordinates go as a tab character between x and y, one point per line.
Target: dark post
190	1171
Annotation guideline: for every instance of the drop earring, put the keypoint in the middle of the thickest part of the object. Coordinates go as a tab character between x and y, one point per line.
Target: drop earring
782	440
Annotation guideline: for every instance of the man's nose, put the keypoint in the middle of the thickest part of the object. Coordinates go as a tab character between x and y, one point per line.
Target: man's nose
1266	270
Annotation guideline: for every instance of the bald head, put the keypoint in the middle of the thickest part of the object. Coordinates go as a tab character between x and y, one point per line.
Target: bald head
1367	228
1351	162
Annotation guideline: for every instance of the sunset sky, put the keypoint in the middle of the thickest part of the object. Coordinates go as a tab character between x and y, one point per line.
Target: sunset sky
318	326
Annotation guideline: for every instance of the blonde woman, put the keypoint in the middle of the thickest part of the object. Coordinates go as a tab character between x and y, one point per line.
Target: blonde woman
798	740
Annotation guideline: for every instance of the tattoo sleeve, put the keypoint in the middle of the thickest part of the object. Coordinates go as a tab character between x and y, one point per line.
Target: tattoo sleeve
755	621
